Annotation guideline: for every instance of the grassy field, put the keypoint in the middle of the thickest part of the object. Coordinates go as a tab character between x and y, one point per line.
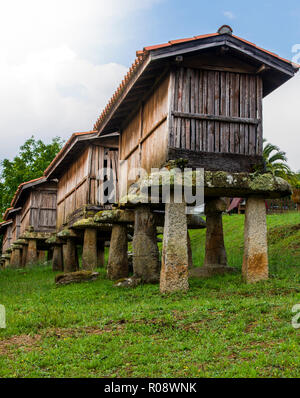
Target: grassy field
220	328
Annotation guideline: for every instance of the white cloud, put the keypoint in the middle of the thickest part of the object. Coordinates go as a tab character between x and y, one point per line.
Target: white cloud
51	81
229	14
281	119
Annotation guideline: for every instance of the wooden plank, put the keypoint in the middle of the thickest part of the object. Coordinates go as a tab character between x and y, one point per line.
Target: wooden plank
230	162
259	90
253	114
180	76
231	107
210	111
171	100
205	111
217	111
200	110
236	109
194	93
222	111
247	113
242	114
214	118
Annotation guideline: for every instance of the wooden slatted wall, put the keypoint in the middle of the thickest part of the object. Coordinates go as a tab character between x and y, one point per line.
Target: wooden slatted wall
216	111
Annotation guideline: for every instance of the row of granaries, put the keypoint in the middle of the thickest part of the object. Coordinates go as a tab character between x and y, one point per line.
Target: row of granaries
198	99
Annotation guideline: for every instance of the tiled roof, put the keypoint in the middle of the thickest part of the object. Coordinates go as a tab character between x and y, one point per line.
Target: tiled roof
142	55
65	147
20	188
6	213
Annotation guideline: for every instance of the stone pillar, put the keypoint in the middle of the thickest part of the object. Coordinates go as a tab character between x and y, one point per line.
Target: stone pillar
100	254
190	254
70	256
57	258
175	261
117	267
255	261
89	252
49	254
215	253
41	256
15	259
7	263
215	261
31	252
145	252
24	255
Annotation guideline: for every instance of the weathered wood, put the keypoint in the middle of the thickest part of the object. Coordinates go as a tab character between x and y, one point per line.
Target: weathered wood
216	118
231	162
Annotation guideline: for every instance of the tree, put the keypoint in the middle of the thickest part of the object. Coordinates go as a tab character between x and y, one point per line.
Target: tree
34	157
276	161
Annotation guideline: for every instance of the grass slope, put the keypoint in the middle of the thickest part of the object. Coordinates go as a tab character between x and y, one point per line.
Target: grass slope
219	328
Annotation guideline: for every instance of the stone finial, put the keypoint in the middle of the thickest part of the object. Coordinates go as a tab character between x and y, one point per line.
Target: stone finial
225	29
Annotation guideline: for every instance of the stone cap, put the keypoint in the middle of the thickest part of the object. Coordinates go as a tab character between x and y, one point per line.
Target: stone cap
222	184
35	235
126	216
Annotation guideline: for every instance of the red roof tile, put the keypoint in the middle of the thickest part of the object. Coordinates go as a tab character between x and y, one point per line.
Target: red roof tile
19	189
65	147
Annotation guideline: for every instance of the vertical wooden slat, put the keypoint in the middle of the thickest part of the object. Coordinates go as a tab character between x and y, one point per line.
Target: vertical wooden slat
259	147
242	114
246	113
205	109
210	110
173	93
252	129
180	76
227	113
222	109
193	91
217	111
236	108
231	107
185	107
200	110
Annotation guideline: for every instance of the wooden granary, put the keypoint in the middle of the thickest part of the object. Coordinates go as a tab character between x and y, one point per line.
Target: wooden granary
83	168
199	100
30	221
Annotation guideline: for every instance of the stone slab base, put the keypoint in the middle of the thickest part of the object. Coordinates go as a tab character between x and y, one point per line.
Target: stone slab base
76	277
208	271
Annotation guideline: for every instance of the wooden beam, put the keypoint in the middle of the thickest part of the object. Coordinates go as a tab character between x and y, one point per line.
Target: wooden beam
216	118
210	161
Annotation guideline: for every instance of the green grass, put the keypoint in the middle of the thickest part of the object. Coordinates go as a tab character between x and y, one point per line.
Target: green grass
220	328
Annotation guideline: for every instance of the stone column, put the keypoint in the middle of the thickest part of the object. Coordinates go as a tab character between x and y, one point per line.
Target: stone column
215	261
215	253
190	254
41	256
24	255
57	258
89	252
145	257
49	254
100	254
31	252
70	256
255	261
15	260
175	261
117	267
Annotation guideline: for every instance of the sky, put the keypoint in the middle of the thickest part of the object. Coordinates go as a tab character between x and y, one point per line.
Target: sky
61	60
